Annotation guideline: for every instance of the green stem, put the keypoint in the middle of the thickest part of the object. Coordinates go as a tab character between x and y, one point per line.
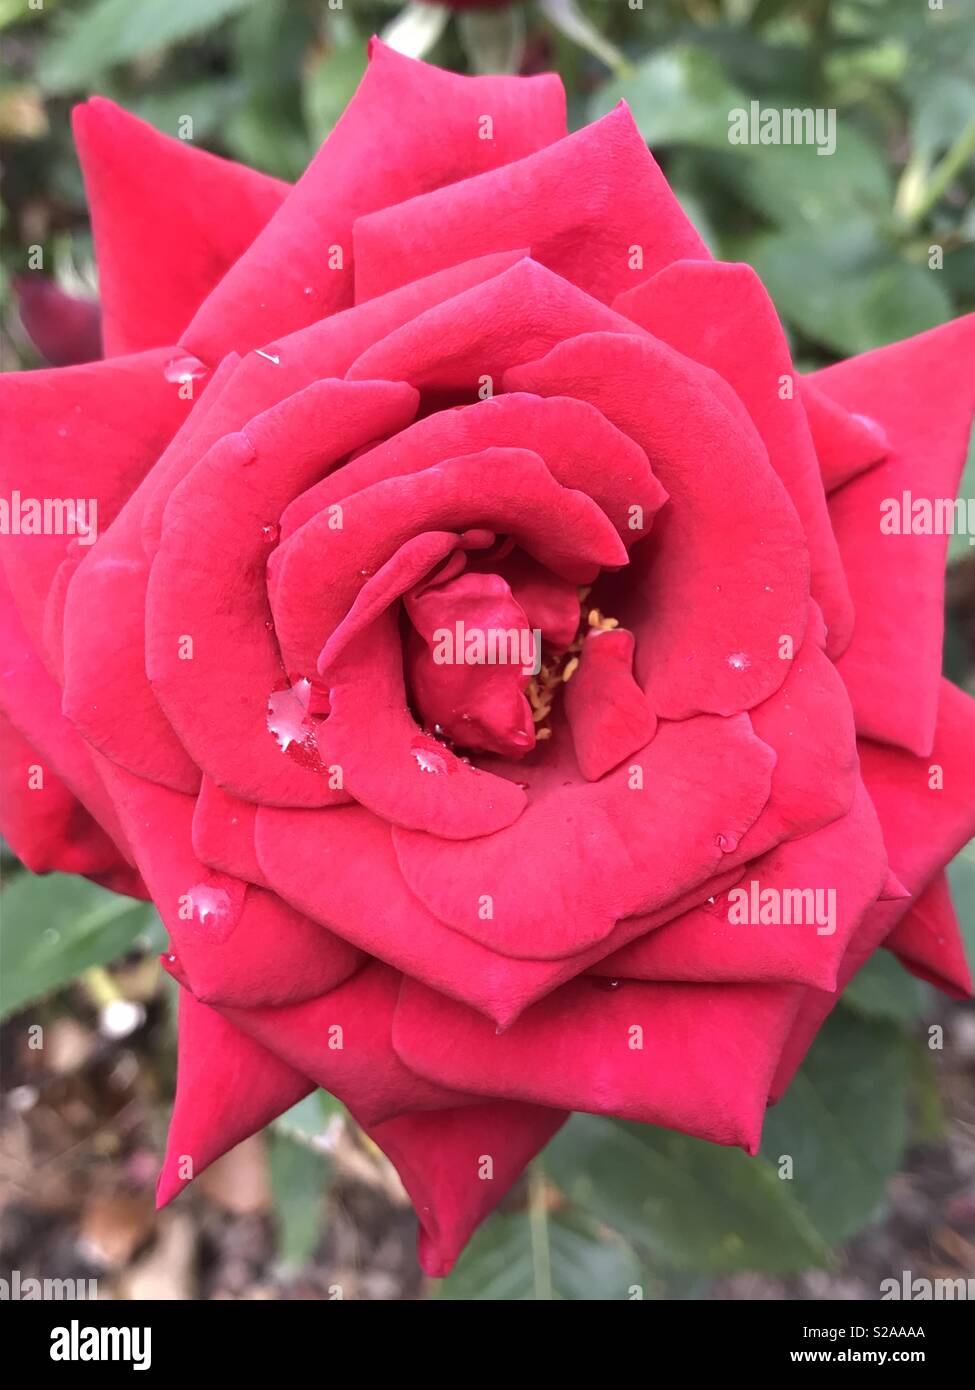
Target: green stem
916	195
538	1224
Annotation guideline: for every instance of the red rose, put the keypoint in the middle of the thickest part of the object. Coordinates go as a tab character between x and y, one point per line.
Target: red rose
473	381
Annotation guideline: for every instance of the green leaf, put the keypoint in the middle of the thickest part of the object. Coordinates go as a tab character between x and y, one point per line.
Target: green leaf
690	1204
310	1120
794	186
210	104
884	989
56	927
960	546
299	1178
115	31
843	1122
329	84
961	880
678	95
943	105
844	290
581	1262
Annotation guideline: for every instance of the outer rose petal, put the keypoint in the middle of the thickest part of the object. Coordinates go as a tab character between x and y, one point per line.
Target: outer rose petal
926	823
726	574
892	667
846	444
343	1041
704	944
47	827
32	702
929	943
707	310
420	127
312	860
227	1088
169	221
581	206
85	432
809	723
696	1058
64	329
241	945
923	828
223	833
440	1158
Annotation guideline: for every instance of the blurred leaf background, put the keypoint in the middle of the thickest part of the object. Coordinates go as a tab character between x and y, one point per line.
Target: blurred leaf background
849	247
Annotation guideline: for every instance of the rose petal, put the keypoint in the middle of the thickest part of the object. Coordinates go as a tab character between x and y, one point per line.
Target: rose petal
928	941
593	207
706	310
425	124
696	1058
227	1088
207	583
846	444
893	665
581	857
440	1158
608	713
846	859
169	221
726	575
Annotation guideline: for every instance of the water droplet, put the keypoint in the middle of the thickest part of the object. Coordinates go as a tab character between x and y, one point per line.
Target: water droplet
212	906
769	589
274	358
365	573
294	727
711	901
216	908
271	533
606	983
428	759
308	291
62	433
268	625
184	368
738	661
50	937
727	844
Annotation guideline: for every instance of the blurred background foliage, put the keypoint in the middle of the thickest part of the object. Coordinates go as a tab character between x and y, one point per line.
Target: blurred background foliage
845	244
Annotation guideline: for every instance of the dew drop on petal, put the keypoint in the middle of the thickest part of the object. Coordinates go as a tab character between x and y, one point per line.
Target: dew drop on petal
271	533
738	661
291	721
212	906
428	759
184	368
606	983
